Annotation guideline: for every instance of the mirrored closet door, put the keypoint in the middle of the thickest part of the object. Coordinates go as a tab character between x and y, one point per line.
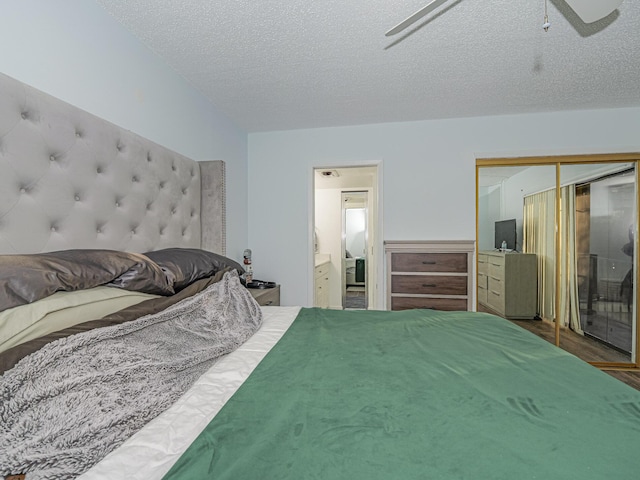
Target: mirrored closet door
578	217
598	224
516	206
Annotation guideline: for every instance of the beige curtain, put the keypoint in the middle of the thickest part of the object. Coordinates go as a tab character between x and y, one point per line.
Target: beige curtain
569	301
538	237
538	233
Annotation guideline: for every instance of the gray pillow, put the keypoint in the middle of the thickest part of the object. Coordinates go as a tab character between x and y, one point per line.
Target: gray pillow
144	276
183	266
27	278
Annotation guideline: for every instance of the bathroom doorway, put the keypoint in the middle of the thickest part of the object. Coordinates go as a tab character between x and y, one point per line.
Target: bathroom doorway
331	187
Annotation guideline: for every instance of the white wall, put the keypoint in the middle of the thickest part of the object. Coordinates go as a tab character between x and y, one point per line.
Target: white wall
532	180
74	50
428	177
489	211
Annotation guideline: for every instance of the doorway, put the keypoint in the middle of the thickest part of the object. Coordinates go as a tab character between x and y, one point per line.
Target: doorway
354	250
346	247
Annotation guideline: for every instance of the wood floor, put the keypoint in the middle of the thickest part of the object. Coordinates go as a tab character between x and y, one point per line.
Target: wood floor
585	348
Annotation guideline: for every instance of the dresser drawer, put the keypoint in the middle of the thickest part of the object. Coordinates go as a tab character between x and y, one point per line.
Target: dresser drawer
482	294
496	267
496	285
429	262
321	280
483	281
495	300
483	264
429	284
495	294
405	303
322	270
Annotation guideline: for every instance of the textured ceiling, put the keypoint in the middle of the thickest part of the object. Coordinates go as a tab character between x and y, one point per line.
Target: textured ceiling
288	64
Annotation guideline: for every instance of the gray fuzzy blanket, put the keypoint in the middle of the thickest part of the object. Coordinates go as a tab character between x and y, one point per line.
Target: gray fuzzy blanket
66	406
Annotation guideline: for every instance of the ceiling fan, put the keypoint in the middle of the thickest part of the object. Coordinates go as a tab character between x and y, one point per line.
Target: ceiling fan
588	10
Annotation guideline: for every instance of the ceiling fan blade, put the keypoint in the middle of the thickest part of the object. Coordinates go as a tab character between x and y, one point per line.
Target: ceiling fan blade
591	10
415	17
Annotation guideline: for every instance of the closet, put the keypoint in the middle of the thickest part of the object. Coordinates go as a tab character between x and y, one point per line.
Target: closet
578	215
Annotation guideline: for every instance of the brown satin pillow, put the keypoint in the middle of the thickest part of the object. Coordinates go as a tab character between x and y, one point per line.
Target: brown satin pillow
27	278
183	266
145	276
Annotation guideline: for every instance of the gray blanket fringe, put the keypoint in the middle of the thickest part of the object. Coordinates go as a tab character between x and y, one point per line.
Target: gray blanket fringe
66	406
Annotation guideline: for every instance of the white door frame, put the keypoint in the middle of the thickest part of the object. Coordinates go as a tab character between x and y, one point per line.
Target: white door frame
376	297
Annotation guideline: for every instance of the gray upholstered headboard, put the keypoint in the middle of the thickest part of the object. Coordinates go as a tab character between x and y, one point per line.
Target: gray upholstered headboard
69	179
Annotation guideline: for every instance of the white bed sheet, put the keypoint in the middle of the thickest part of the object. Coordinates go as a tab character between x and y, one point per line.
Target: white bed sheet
150	453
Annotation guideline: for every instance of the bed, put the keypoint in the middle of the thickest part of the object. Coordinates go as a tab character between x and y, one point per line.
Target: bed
243	391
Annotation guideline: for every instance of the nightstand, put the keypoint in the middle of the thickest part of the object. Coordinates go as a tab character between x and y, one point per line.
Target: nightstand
266	296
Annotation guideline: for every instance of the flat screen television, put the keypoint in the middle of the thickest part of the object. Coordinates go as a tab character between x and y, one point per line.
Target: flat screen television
506	231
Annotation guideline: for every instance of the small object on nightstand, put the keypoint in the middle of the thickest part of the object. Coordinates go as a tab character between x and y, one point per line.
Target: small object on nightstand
260	284
248	274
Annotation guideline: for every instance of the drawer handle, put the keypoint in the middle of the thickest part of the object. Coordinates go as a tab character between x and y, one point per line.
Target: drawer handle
428	262
268	303
429	285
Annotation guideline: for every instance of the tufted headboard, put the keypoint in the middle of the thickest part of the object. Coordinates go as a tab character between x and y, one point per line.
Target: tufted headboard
69	179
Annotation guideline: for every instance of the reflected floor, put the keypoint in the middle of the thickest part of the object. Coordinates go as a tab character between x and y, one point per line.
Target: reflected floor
610	322
587	348
355	298
583	347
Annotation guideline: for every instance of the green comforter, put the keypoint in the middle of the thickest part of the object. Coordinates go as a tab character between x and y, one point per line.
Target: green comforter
419	395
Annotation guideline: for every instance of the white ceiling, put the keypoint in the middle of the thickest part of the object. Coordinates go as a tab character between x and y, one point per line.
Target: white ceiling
288	64
345	178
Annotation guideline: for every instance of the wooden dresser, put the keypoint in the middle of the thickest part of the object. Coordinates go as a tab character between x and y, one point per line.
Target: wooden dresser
507	283
430	274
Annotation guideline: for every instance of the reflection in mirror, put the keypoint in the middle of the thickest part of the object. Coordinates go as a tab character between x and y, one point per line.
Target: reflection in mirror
518	284
598	212
354	250
593	240
539	212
